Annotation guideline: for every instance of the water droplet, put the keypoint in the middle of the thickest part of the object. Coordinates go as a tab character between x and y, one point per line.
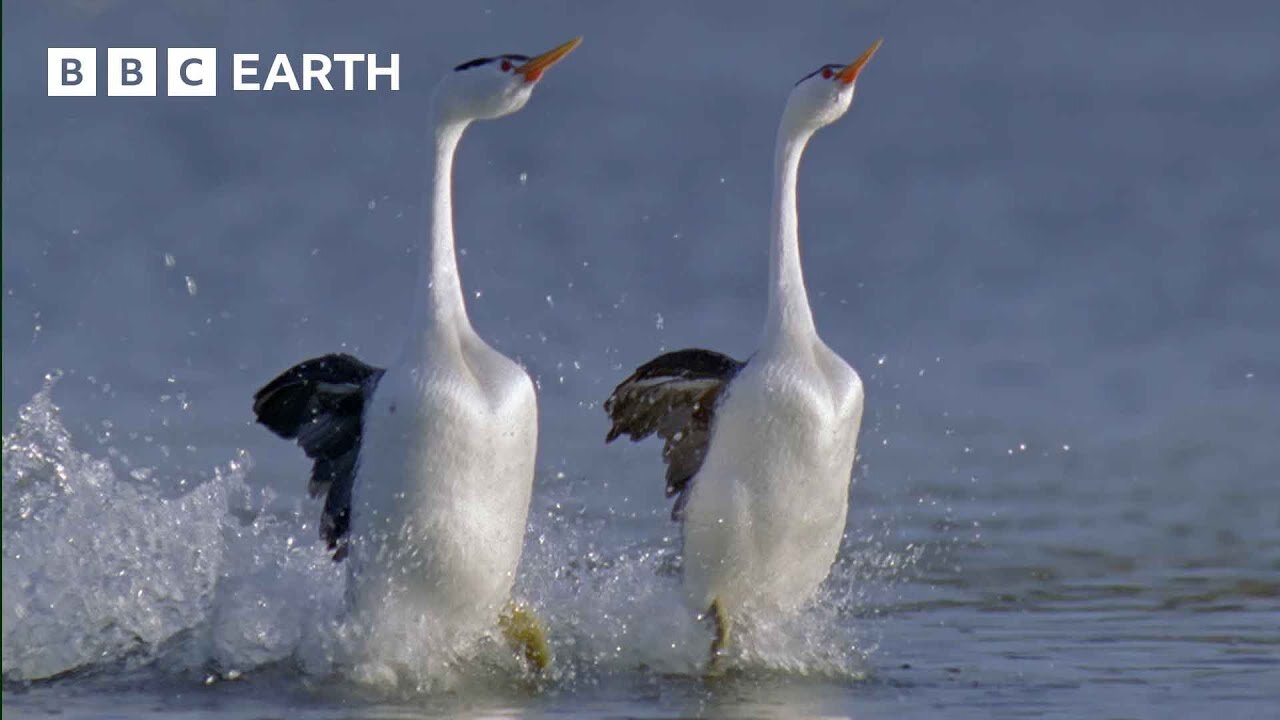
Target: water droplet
191	285
524	178
170	260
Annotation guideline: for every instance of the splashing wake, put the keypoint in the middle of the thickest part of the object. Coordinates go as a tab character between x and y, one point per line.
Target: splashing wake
103	569
104	572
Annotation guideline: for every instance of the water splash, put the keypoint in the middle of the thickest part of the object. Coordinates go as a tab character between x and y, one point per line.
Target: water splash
618	608
103	570
93	570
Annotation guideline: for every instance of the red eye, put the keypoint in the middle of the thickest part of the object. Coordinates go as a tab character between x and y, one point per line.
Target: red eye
506	66
826	73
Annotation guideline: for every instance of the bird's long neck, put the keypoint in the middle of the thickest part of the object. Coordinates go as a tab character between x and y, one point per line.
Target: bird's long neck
789	313
439	311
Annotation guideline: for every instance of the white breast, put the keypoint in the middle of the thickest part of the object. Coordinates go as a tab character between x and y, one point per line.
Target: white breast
767	510
442	494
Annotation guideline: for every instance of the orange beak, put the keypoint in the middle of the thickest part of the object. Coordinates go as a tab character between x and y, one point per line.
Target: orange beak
850	72
532	70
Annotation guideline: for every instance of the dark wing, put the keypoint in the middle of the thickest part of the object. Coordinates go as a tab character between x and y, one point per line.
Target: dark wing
674	395
320	403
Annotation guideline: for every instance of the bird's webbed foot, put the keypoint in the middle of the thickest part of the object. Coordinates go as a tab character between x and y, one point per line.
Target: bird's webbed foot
526	635
720	642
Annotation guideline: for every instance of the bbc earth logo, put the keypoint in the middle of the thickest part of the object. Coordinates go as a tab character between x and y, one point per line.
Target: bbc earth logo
193	72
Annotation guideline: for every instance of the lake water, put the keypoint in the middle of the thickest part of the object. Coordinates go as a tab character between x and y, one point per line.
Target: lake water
1046	234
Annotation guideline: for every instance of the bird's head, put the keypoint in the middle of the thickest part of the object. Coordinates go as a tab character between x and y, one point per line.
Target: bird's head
490	87
824	95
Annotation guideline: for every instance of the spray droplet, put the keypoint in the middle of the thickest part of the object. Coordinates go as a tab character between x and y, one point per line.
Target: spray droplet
170	260
373	204
191	285
524	178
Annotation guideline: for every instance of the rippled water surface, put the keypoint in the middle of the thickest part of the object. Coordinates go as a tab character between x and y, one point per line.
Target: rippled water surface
1046	235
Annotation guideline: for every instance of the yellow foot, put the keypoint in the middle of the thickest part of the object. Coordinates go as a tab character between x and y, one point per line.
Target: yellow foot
720	643
526	635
